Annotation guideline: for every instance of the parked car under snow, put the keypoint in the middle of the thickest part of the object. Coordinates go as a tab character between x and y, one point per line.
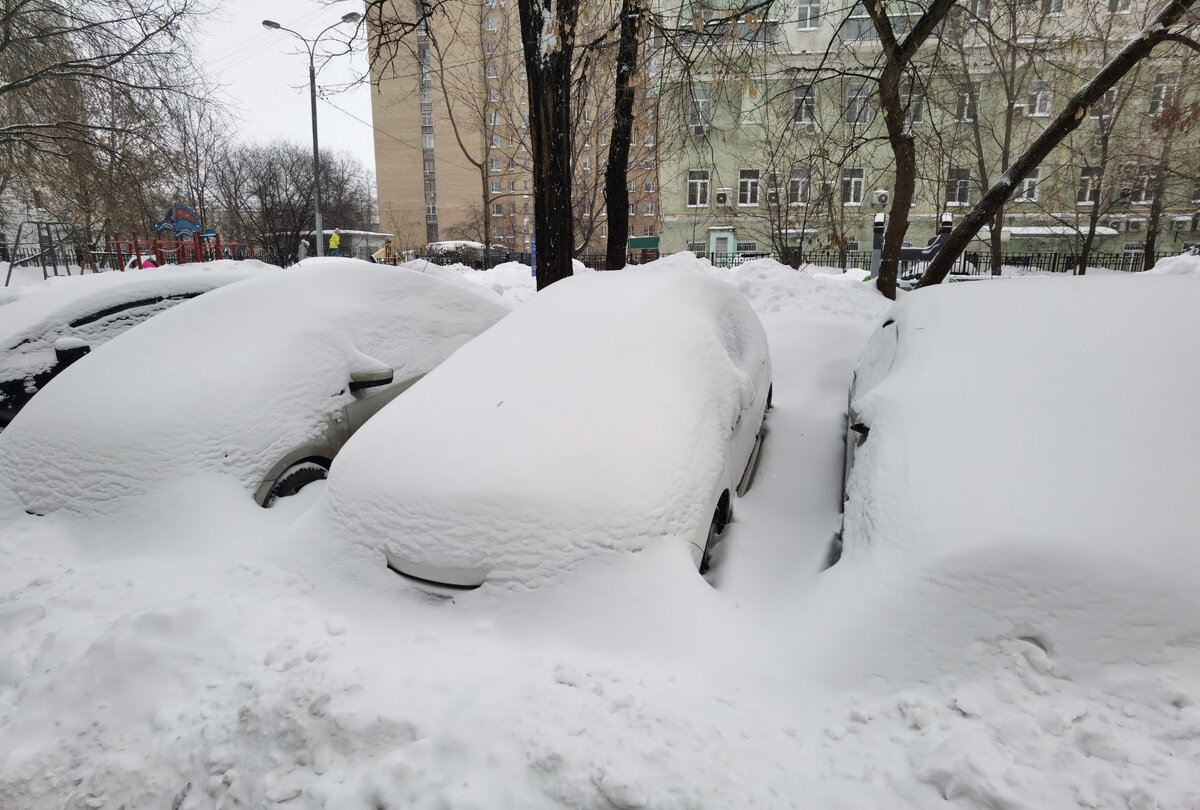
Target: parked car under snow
610	411
263	381
1020	461
44	327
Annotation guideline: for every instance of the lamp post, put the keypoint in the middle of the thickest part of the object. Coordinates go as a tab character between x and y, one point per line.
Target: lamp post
310	45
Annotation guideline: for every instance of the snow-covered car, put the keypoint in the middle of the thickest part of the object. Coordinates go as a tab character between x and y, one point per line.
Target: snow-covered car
263	381
610	411
1020	462
45	327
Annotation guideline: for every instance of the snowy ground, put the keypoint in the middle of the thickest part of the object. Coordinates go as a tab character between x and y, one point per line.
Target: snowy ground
202	657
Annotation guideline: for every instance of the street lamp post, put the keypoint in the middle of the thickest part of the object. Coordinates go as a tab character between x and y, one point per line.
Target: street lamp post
310	45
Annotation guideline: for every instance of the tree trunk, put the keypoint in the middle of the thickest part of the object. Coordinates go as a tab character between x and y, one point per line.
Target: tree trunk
1156	204
616	185
547	33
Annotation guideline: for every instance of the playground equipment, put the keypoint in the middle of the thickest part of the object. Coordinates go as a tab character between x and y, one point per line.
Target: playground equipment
50	250
198	248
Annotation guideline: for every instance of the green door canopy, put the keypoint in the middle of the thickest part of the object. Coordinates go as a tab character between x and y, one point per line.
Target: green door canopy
643	243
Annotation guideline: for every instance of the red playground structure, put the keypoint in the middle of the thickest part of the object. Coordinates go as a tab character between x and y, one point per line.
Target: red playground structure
122	254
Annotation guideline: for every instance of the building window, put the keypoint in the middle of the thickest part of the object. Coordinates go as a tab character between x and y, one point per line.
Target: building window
1039	98
632	209
697	190
699	248
648	163
604	139
586	164
1120	6
430	209
491	24
493	72
493	94
494	164
914	108
648	230
968	102
604	230
497	209
1163	94
804	105
1089	185
810	13
497	187
430	188
493	118
427	140
1139	181
748	187
495	141
491	46
648	186
858	25
978	9
958	187
799	187
648	209
747	247
700	114
1052	6
1104	107
852	186
648	140
856	103
426	118
428	166
1028	191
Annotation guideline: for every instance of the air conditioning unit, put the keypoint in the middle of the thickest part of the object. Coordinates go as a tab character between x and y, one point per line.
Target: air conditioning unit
1135	225
724	197
1115	224
1019	108
805	127
1179	224
882	196
772	196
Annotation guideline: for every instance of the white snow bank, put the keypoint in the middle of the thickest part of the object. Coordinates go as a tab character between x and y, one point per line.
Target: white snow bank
484	465
230	381
1185	264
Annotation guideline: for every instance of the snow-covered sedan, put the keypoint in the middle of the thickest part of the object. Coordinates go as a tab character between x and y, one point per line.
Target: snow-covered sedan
263	381
610	411
1022	465
44	327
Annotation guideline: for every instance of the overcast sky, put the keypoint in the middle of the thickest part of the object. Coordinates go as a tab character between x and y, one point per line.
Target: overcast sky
265	75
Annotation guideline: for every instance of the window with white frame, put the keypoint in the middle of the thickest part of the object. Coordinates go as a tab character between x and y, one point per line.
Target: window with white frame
1163	94
1052	6
648	163
604	230
648	230
493	118
427	140
746	246
1090	178
852	186
748	187
804	105
648	209
856	103
493	94
429	166
632	209
648	186
493	71
491	46
958	187
914	108
604	139
1039	99
491	24
978	9
585	163
648	140
1028	190
497	187
1105	107
697	188
700	113
495	141
494	164
497	209
799	186
858	25
426	118
1140	180
809	15
968	102
1120	6
699	248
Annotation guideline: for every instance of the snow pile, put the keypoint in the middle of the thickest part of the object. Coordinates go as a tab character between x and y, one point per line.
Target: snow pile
483	464
237	379
1185	264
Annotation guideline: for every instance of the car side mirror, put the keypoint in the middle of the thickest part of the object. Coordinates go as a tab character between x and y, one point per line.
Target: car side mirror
68	350
370	378
860	429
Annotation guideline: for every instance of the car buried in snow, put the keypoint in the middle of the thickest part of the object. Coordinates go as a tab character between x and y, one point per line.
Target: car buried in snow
47	326
610	411
263	381
1007	463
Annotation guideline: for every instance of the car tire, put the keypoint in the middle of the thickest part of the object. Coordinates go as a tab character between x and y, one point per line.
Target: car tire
294	479
719	519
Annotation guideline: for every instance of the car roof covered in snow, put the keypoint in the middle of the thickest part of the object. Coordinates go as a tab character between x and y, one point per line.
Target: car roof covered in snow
595	416
231	380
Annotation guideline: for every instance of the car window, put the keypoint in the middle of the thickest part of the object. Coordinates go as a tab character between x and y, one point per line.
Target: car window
876	359
102	326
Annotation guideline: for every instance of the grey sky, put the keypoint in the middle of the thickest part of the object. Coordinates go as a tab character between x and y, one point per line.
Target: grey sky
266	76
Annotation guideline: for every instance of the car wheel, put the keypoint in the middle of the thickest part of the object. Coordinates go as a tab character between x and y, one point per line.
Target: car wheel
719	519
294	479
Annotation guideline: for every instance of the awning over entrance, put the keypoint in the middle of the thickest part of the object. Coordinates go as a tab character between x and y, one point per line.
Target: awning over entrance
643	243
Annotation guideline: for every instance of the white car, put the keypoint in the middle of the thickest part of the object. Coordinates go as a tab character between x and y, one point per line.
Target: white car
610	411
1022	465
263	381
46	326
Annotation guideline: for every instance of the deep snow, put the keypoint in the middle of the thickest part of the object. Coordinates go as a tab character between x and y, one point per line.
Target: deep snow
202	657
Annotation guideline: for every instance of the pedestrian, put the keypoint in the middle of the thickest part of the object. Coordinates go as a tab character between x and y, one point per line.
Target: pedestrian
335	240
302	251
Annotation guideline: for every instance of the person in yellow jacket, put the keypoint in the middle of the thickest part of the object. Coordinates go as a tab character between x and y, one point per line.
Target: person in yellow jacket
335	241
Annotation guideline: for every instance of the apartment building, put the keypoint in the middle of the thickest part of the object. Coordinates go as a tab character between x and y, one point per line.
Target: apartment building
776	138
452	138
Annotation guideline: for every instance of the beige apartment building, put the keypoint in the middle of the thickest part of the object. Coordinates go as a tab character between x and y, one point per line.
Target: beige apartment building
451	141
